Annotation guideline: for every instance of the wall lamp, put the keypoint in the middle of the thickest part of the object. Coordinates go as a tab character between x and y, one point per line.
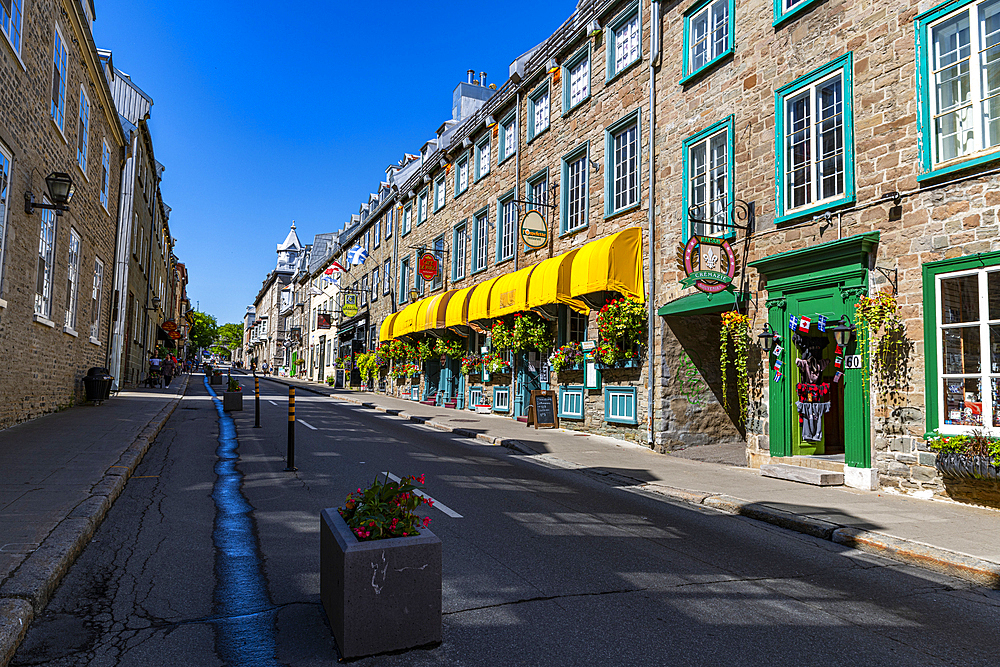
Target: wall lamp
156	303
594	28
768	338
60	187
553	66
842	331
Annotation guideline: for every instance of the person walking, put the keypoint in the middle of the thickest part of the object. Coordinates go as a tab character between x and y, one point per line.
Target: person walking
169	365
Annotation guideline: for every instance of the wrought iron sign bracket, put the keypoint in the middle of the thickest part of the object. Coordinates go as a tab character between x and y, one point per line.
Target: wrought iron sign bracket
894	280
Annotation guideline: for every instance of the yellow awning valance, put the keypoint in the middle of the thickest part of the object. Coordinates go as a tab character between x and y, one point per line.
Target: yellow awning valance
406	321
431	313
549	283
385	333
611	264
510	292
457	311
479	301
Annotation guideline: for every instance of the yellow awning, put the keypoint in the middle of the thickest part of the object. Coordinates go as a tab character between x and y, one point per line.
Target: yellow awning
385	333
405	321
611	264
457	311
431	313
510	292
549	283
479	301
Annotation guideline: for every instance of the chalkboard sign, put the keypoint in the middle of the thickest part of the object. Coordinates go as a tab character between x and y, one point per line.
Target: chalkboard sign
543	408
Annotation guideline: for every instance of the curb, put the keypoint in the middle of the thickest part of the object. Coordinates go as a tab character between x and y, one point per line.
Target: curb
962	566
27	591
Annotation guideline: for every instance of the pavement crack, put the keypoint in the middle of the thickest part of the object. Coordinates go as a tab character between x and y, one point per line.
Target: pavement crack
546	598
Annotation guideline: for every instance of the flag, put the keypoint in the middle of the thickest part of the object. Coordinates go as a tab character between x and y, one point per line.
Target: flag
334	267
314	291
804	323
357	255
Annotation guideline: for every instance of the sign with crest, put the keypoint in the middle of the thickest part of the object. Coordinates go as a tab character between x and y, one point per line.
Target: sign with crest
709	262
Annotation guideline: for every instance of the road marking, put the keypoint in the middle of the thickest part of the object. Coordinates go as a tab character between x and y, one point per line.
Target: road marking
272	402
437	505
144	476
306	424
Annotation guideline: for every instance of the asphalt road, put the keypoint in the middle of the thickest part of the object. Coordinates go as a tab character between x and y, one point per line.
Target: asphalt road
544	566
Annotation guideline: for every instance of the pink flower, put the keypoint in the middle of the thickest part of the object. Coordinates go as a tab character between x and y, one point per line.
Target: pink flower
427	521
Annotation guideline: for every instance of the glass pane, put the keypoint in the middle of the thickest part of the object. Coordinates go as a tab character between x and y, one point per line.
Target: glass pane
995	348
960	299
961	350
963	403
996	401
993	294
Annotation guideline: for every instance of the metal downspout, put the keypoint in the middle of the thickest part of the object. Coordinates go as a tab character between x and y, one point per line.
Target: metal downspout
650	323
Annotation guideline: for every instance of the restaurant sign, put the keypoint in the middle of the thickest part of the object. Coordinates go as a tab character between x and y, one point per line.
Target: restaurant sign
709	262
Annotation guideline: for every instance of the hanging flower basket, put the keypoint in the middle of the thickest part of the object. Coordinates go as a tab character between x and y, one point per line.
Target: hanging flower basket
735	330
621	332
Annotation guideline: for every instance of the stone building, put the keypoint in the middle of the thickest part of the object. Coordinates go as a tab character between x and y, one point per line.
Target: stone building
268	334
57	116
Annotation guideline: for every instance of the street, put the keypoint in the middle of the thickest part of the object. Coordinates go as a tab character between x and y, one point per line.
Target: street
209	560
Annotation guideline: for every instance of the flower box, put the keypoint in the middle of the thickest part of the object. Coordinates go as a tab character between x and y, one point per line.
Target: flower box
379	595
963	466
232	401
483	409
621	363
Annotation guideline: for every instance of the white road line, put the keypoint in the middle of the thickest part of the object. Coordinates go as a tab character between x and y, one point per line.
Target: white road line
272	402
306	424
437	505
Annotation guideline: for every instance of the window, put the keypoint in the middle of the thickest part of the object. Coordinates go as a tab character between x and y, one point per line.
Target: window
619	405
571	402
508	137
621	149
82	130
95	301
538	111
577	324
574	191
786	9
957	67
58	106
475	397
4	186
708	174
439	254
404	279
624	37
364	290
105	174
439	193
708	26
814	131
388	223
576	79
387	272
501	399
418	280
421	207
368	240
483	158
458	248
377	235
72	279
10	22
480	244
537	190
46	246
405	222
375	284
506	226
462	175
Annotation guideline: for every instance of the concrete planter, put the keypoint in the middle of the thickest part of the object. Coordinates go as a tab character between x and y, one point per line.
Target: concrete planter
380	595
232	401
215	379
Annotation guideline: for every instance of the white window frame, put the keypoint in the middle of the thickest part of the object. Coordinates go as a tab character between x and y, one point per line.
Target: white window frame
483	156
481	244
375	284
461	175
404	280
60	63
377	236
439	192
624	41
437	247
387	277
459	251
506	227
713	19
405	222
576	190
72	280
539	110
12	24
95	301
6	163
422	206
576	74
83	131
45	253
508	137
707	183
105	174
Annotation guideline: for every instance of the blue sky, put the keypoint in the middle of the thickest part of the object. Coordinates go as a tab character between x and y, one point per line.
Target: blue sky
266	113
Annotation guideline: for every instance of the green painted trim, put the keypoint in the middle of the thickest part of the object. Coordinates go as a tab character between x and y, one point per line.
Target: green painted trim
623	390
483	215
689	75
404	290
457	189
729	125
635	118
540	175
502	154
501	390
836	252
845	63
404	232
570	63
426	194
574	389
609	51
700	303
440	181
929	273
479	150
582	149
501	200
533	96
461	226
981	161
780	18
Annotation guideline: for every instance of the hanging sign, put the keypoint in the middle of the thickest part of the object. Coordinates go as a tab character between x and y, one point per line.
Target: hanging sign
322	320
709	263
427	266
534	230
350	307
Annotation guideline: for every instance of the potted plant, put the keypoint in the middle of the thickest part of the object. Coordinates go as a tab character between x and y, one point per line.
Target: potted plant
966	456
567	358
483	407
232	398
380	570
621	333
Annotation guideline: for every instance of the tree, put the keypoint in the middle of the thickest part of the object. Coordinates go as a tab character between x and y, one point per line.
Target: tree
203	329
228	338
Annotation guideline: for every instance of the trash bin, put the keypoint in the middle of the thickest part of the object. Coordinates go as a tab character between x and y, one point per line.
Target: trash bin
97	384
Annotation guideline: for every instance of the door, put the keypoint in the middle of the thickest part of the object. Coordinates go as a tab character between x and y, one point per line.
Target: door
322	359
528	367
432	371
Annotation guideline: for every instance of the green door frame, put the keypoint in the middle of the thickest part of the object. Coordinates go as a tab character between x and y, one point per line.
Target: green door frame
841	264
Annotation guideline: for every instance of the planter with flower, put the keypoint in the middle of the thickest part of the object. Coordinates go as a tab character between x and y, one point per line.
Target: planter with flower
471	364
380	570
368	365
966	456
496	363
232	398
621	333
451	347
569	357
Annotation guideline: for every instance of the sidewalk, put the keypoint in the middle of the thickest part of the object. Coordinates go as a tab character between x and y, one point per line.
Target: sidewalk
956	539
61	473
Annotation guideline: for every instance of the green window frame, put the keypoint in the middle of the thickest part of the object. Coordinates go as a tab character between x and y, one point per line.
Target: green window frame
508	138
623	165
473	393
785	10
460	164
571	401
631	42
693	173
406	220
819	82
506	241
972	269
404	280
620	405
437	247
480	240
577	218
498	405
702	50
968	146
459	249
483	157
535	109
532	194
573	63
423	204
440	194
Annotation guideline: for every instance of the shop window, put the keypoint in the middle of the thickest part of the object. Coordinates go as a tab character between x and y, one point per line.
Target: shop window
571	402
619	405
577	326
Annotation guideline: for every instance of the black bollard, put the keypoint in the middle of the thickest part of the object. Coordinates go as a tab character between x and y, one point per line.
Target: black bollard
290	456
256	400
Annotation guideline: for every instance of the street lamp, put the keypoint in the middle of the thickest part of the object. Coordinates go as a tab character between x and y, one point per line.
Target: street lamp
60	187
768	338
841	330
156	303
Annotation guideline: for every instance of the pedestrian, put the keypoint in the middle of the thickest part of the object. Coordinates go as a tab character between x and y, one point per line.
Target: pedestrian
168	370
155	371
264	367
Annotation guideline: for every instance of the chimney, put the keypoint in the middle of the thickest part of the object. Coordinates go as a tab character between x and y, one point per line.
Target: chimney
482	78
471	74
